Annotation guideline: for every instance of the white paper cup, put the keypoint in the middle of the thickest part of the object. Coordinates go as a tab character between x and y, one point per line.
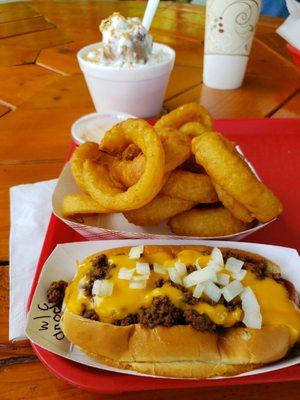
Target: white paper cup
138	91
229	31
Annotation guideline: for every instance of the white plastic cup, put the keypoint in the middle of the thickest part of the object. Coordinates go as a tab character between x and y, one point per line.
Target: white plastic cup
138	91
229	31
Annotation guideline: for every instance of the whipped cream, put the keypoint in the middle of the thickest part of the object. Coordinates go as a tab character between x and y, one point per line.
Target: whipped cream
125	43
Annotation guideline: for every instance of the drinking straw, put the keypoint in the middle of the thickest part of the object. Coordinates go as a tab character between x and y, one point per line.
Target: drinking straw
149	13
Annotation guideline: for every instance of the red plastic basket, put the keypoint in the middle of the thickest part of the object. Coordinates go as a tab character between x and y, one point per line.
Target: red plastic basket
273	147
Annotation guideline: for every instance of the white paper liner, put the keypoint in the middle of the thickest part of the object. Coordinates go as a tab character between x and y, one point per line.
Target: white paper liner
116	226
43	319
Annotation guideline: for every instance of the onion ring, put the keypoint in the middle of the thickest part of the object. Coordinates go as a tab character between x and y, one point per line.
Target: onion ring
130	152
190	112
190	186
79	204
236	208
100	186
228	169
193	128
177	149
128	172
83	152
176	145
206	223
158	210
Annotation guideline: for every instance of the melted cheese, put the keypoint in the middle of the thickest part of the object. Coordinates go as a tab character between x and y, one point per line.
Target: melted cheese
219	314
75	297
191	256
276	307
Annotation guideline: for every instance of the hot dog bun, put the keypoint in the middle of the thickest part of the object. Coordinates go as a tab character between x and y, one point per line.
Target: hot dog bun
178	351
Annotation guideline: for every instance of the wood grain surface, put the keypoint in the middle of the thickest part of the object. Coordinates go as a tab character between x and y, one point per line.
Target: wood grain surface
19	83
42	92
291	109
16	12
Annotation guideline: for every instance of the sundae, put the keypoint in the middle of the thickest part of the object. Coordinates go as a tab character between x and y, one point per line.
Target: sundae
125	43
126	71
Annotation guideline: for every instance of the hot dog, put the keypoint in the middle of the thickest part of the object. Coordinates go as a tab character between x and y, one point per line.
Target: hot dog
180	311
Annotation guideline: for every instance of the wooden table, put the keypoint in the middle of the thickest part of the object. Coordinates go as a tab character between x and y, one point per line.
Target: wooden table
42	92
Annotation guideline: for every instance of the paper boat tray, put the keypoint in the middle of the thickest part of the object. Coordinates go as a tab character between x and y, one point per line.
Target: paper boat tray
43	318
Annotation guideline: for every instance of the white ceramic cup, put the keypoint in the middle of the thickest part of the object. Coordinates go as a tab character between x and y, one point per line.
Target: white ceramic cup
229	31
138	91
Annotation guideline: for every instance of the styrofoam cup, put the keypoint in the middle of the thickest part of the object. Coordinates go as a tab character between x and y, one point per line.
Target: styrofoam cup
139	90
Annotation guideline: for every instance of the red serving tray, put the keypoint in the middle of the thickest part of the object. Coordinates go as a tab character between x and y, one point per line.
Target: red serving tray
273	146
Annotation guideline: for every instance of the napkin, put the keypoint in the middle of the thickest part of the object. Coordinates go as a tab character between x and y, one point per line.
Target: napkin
30	210
290	29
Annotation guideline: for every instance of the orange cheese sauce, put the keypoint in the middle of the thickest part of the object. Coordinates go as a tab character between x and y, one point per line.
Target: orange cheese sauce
275	305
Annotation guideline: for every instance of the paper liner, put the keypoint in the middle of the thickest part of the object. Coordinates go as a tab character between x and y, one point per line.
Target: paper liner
43	318
115	226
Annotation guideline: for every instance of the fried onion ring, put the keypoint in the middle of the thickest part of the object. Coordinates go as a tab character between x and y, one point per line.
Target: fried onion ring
190	112
128	172
236	208
190	186
176	145
177	149
86	150
206	223
192	129
100	186
158	210
228	169
130	152
79	204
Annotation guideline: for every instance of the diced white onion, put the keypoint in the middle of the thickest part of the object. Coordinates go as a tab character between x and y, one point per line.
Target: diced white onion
239	276
232	290
252	319
142	268
141	277
159	269
180	268
174	276
137	284
252	316
192	279
205	274
212	291
136	252
102	288
223	279
125	273
198	266
214	266
198	290
217	256
234	265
